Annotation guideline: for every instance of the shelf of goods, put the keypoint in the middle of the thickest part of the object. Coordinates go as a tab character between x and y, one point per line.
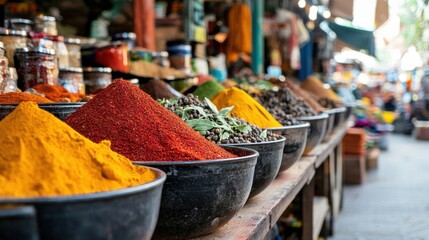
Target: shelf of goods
261	212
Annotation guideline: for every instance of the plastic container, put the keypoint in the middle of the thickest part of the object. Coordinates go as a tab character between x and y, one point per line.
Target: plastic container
114	56
180	55
35	66
268	163
96	78
12	40
72	80
200	196
46	24
18	24
73	48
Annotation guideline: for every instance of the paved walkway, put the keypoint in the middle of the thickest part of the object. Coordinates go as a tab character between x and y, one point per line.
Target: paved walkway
393	203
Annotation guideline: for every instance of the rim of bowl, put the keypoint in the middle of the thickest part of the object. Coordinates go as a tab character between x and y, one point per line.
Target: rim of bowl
335	110
317	117
252	153
282	139
53	104
301	125
161	177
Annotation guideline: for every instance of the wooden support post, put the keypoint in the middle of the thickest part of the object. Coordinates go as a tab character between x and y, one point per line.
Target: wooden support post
144	23
307	210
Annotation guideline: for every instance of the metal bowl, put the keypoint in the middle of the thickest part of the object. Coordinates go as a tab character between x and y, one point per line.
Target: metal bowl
349	109
317	130
129	213
330	124
340	116
59	110
201	196
268	163
296	139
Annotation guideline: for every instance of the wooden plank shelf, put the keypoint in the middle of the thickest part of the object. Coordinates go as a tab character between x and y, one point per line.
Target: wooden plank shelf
320	212
323	150
261	212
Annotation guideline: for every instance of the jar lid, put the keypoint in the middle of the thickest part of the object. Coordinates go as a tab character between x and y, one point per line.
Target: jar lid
46	18
72	40
53	38
124	35
6	31
97	70
177	42
71	70
20	20
35	50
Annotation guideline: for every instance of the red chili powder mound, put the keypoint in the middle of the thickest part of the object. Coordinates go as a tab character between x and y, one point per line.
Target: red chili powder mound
140	128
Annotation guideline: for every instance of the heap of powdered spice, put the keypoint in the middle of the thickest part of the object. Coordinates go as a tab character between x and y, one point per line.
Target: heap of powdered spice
140	128
58	93
17	97
40	155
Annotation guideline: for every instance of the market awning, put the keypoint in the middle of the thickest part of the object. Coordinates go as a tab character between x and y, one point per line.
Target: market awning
357	39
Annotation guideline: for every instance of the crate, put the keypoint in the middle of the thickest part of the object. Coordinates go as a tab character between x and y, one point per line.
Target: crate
372	158
354	169
354	142
422	130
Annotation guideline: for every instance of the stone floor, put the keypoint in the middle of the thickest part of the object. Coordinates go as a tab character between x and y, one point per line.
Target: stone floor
393	203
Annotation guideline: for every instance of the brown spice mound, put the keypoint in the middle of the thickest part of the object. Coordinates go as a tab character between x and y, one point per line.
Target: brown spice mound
147	69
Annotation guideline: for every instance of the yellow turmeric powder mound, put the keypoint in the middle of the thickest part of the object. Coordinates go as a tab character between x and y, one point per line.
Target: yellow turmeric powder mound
42	156
245	107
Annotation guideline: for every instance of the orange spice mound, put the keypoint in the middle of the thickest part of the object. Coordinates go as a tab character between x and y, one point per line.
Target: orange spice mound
57	93
17	97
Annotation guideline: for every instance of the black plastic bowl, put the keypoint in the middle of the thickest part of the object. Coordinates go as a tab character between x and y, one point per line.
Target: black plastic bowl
330	123
268	163
60	110
129	213
201	196
317	130
340	116
296	140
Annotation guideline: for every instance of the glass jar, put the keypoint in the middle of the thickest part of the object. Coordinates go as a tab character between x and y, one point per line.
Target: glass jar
73	48
3	67
60	48
35	66
12	40
128	38
96	78
72	79
46	24
11	81
180	55
161	58
18	24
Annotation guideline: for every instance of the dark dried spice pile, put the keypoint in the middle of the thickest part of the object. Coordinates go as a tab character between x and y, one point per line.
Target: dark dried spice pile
216	125
140	128
285	106
329	103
